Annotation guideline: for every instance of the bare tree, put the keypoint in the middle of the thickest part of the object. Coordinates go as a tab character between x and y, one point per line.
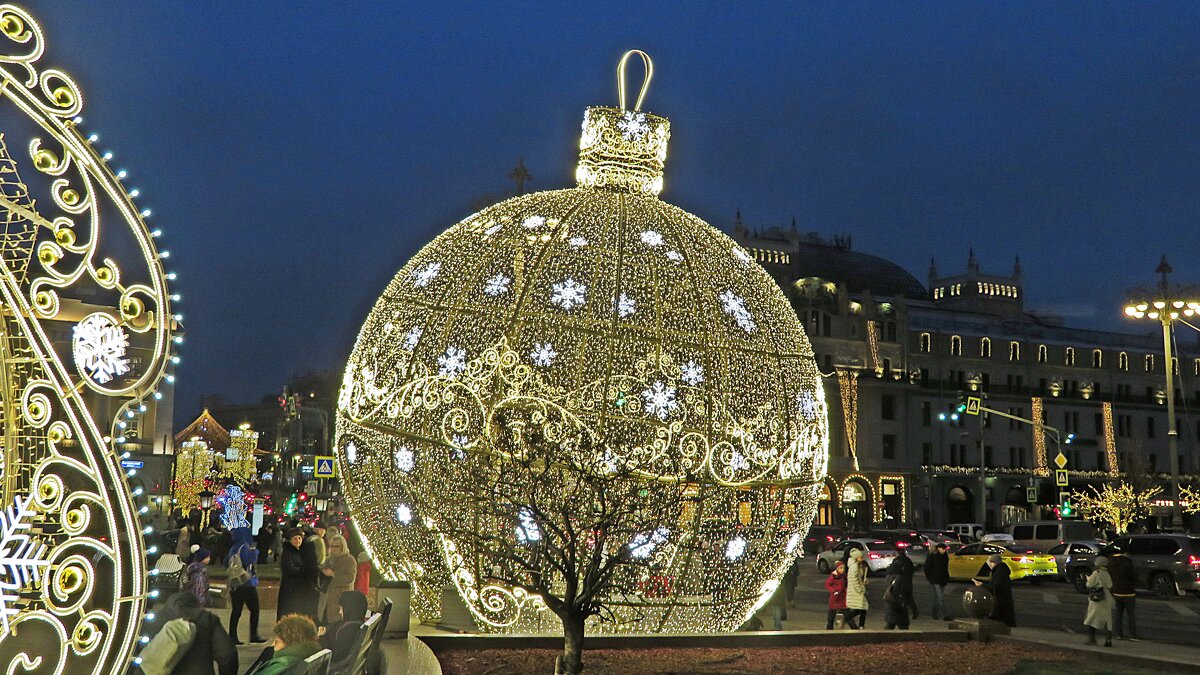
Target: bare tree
567	519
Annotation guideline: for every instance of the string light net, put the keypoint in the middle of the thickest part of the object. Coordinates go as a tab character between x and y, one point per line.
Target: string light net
619	318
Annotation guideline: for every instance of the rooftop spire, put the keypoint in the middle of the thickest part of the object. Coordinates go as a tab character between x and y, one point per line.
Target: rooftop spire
972	266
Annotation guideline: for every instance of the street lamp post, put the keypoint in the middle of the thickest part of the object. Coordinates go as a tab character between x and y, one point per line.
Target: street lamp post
1166	304
206	502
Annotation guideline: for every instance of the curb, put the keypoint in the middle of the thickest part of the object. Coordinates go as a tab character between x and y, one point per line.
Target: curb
819	638
1165	663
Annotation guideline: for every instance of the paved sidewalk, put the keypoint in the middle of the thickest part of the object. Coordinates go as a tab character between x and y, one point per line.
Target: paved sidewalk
1145	653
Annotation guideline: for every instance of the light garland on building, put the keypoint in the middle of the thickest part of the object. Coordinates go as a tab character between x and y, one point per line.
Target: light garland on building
75	560
1041	468
1110	441
1005	470
623	320
901	486
848	386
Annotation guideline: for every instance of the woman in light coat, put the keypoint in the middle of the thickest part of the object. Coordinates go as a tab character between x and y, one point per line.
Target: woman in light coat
341	568
856	590
1100	612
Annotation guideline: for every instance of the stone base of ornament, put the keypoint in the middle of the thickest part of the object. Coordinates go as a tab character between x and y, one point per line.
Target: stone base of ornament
455	615
980	630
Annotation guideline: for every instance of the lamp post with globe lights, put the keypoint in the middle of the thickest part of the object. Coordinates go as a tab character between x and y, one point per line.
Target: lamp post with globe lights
1166	304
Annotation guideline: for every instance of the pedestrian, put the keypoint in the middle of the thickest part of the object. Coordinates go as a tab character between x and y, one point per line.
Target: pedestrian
295	640
317	538
1120	569
1100	603
999	580
937	573
183	547
362	577
277	541
341	636
835	583
195	577
298	571
789	581
898	596
341	568
210	645
264	539
243	592
856	590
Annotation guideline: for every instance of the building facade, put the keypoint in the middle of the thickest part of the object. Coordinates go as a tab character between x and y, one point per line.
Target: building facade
896	354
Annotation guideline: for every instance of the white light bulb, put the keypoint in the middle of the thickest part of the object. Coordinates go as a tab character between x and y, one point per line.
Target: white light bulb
93	138
156	233
178	339
145	213
134	192
164	254
171	276
122	173
158	395
108	156
171	379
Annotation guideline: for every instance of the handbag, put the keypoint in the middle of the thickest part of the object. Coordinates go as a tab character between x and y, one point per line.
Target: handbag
888	596
1096	594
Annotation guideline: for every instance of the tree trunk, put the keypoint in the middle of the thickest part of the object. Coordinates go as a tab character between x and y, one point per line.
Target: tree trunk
570	662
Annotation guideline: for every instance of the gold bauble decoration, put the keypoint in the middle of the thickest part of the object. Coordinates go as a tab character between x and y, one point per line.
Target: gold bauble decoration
630	317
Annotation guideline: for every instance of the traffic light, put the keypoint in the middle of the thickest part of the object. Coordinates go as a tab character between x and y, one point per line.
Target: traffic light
1067	510
961	405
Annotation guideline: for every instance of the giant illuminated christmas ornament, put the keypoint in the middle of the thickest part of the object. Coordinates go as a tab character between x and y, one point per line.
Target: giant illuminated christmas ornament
87	338
627	326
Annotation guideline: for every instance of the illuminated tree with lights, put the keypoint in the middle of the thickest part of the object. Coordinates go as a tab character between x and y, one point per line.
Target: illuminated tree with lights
241	465
1190	499
1118	506
588	330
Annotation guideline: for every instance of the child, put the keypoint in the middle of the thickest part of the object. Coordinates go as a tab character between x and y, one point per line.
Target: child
362	580
195	578
836	585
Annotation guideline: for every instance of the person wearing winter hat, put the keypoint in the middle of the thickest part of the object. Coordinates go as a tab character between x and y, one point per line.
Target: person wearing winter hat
856	590
195	577
999	581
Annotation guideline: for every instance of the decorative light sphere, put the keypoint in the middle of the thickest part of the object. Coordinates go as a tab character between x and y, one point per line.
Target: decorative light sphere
630	318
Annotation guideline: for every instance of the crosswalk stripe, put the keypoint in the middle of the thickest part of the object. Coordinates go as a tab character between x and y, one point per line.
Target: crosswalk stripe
1181	609
1051	599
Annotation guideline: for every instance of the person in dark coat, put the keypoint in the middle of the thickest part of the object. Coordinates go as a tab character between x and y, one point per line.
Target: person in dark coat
1000	583
898	596
211	644
298	571
340	636
266	536
245	595
836	585
937	573
1124	582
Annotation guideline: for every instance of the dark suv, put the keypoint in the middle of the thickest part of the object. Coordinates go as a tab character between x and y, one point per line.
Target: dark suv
1168	564
822	538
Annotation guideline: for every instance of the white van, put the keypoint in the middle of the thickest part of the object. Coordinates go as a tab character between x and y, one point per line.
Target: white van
970	529
1043	535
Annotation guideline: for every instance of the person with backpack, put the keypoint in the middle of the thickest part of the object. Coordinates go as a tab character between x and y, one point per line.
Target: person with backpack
242	583
187	639
1100	603
195	577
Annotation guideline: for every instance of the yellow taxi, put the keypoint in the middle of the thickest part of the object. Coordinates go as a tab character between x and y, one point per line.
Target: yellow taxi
1023	562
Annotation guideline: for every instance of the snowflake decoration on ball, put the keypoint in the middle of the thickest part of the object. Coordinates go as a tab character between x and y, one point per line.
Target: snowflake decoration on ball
543	354
659	400
738	462
651	238
675	257
426	274
412	337
626	306
793	542
735	548
487	234
633	125
497	285
577	242
459	441
527	530
735	307
808	406
452	363
692	373
99	348
351	452
741	255
406	459
404	514
644	544
533	222
568	294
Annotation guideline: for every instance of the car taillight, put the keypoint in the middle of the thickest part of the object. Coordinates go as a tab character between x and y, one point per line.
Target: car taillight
1023	559
1194	560
828	538
874	556
902	544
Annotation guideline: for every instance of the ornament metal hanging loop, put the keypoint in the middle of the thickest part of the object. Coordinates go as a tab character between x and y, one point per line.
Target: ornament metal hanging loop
621	77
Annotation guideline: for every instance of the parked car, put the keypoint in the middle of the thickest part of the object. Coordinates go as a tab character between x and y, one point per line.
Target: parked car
1023	562
878	554
1043	535
934	537
909	540
998	536
973	530
1076	560
822	538
1168	564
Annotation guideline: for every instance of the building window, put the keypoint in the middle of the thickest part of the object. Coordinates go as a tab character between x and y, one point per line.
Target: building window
985	348
1097	358
1070	356
1196	367
889	446
889	331
955	345
926	454
1149	363
1014	351
926	414
887	407
926	343
1123	362
1149	427
1042	354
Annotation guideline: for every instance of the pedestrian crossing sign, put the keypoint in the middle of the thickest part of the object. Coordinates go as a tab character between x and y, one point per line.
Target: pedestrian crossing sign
1060	478
324	467
973	404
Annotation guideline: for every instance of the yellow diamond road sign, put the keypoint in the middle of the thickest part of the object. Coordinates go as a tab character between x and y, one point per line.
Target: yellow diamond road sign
1061	461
